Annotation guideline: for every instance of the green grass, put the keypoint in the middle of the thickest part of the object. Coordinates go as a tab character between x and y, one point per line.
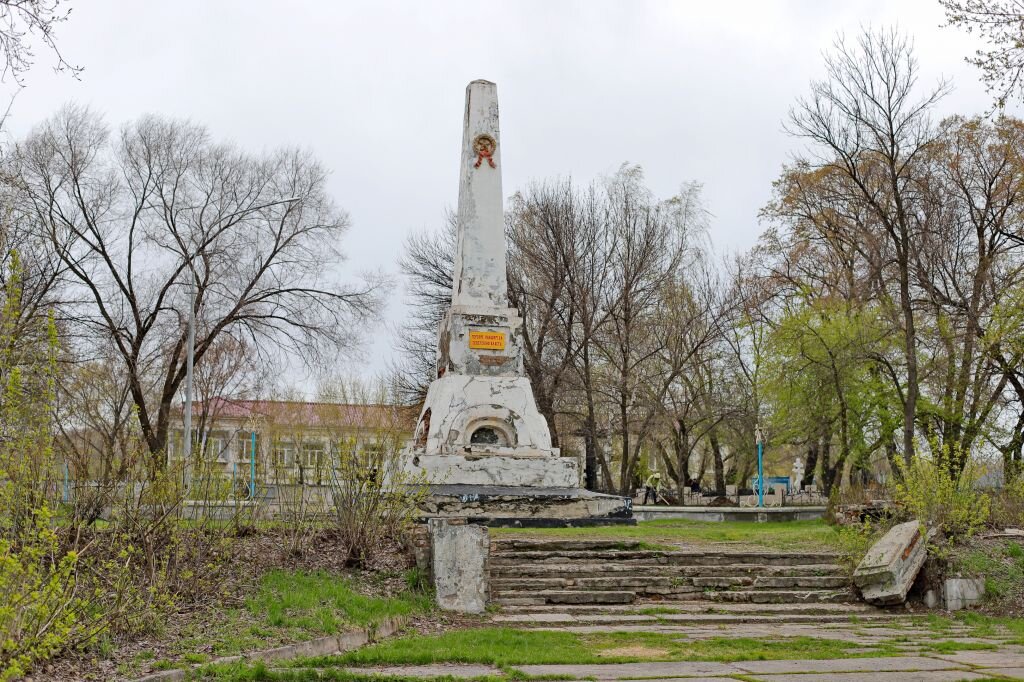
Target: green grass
294	606
1006	628
240	672
323	603
951	647
506	647
657	610
1001	565
785	535
1012	629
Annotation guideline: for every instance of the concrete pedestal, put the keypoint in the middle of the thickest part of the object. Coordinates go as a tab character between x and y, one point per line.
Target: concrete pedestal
460	566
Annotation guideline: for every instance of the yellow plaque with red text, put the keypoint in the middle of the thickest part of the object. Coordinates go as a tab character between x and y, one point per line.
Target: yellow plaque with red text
485	340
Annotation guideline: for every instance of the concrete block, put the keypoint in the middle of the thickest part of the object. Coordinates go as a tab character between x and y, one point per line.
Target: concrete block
510	502
890	567
962	593
460	565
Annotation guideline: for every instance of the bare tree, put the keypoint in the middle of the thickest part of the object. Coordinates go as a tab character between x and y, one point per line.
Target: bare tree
233	368
22	21
543	228
866	124
141	218
97	433
427	264
591	246
971	265
652	241
1000	23
686	394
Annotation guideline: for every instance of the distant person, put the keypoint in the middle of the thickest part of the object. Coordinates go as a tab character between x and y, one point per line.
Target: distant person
651	487
695	486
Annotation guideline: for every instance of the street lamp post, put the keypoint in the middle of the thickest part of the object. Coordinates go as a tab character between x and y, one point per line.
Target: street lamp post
189	360
191	347
253	425
759	438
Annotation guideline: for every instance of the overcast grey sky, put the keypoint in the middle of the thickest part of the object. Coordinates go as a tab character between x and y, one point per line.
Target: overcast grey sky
689	90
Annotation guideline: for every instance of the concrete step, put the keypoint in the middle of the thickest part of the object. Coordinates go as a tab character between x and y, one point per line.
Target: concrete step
655	557
535	544
674	592
563	597
682	619
644	583
781	596
538	597
700	606
597	570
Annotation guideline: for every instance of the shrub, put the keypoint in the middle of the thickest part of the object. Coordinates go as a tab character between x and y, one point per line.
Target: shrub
941	500
374	498
37	602
40	612
66	581
1008	505
855	540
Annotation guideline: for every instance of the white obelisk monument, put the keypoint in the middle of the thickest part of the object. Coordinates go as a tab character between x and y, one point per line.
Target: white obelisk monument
480	425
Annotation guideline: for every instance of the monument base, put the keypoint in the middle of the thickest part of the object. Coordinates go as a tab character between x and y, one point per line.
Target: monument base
515	506
544	471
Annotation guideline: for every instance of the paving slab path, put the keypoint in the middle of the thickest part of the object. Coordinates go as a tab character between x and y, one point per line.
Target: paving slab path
919	663
887	669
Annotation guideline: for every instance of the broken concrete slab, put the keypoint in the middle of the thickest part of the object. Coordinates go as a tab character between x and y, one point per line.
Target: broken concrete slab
985	659
617	671
956	675
460	565
455	670
890	567
838	665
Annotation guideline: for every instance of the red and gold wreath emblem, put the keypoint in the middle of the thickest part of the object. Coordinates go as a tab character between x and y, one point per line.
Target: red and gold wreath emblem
484	146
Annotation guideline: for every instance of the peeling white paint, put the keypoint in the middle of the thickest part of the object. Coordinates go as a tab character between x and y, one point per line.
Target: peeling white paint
480	247
483	388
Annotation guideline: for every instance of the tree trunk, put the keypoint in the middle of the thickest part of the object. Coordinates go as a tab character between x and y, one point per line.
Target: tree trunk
624	483
716	451
590	425
909	350
810	463
682	445
828	472
546	407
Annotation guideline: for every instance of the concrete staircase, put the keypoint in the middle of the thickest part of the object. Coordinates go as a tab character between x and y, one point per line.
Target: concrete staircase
597	581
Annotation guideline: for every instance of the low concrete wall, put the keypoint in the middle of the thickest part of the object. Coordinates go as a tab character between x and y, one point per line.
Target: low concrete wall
752	514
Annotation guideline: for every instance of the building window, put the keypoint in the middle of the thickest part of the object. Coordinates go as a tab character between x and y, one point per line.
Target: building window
245	447
216	449
283	455
312	454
